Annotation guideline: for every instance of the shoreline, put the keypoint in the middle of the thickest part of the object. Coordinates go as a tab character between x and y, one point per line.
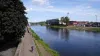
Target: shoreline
38	40
93	29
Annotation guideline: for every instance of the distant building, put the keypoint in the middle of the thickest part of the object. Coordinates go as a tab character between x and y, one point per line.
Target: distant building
78	23
95	24
52	22
73	23
82	23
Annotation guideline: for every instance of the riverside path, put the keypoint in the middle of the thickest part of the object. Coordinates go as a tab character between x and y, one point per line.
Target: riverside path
25	46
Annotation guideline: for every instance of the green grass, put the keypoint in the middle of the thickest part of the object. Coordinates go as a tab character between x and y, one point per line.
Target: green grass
36	38
57	26
94	29
46	46
35	35
38	48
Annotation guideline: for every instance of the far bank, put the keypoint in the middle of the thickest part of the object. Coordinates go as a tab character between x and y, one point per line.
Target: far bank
94	29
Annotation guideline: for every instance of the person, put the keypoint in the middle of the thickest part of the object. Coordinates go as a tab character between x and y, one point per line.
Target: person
31	49
27	30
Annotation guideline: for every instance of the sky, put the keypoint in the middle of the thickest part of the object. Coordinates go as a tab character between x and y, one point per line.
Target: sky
79	10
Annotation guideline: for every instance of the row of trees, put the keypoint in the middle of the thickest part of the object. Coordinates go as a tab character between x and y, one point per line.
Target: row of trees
12	20
38	23
65	20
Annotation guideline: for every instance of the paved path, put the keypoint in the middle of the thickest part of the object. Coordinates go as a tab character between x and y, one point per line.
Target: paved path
25	46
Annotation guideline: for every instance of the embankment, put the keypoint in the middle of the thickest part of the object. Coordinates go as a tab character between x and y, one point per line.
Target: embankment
94	29
38	40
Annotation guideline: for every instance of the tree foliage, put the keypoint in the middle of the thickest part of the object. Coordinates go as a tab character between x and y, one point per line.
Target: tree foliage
65	20
62	19
12	20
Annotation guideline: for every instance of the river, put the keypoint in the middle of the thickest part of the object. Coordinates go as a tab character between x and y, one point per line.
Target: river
70	42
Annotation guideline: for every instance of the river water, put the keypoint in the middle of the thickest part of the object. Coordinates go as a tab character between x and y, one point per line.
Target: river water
70	42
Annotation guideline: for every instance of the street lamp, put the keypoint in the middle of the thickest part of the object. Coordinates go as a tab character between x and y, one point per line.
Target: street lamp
67	14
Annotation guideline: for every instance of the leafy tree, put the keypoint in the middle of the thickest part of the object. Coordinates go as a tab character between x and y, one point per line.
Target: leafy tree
62	20
66	20
12	20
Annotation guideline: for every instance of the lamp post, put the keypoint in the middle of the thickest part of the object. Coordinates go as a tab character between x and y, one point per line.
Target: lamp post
67	14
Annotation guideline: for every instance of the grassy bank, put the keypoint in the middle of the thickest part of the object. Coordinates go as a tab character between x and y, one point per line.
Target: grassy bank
36	38
46	46
94	29
57	26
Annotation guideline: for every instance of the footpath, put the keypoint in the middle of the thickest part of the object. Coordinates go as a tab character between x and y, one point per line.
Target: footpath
25	46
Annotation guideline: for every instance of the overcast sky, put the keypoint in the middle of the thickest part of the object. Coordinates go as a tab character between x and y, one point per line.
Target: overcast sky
79	10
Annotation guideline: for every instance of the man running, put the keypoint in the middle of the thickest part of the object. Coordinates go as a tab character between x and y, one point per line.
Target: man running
31	49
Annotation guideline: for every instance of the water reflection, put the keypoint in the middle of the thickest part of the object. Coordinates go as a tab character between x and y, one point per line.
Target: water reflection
52	29
61	33
70	42
64	34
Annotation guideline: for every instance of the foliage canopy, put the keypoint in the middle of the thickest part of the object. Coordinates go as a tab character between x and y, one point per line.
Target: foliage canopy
65	20
12	20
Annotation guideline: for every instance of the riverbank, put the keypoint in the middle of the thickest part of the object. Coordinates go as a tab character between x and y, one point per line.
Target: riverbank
40	44
94	29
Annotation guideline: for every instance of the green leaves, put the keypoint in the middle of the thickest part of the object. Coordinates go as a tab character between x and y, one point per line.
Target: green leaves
12	20
65	20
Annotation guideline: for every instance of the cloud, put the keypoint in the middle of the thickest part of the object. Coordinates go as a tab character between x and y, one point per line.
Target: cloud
50	7
80	10
29	9
84	10
41	2
40	9
89	7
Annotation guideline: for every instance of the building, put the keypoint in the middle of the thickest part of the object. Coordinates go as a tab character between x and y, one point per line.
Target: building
95	24
78	23
52	22
72	23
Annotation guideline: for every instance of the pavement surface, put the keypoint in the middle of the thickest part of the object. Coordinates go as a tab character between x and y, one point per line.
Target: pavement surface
24	48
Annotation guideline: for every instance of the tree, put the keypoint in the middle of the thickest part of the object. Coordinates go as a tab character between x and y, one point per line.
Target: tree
62	20
12	20
66	20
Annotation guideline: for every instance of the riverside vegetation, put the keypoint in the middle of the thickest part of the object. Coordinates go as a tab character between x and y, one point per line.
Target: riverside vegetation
94	29
46	46
12	22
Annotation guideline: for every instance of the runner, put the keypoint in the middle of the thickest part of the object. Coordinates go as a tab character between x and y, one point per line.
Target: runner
31	49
